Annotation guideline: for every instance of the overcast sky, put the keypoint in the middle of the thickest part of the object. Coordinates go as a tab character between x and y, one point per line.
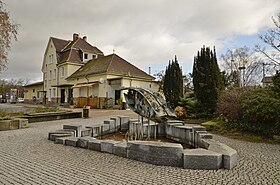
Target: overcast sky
147	33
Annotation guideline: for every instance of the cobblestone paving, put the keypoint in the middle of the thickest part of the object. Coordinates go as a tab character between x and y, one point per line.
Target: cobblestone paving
27	157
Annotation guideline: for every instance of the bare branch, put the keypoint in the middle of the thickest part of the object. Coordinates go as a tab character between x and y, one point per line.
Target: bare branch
8	31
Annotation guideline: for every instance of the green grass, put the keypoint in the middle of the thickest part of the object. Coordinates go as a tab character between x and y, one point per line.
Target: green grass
7	115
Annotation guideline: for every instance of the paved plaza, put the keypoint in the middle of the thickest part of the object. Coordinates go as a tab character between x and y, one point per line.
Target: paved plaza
27	157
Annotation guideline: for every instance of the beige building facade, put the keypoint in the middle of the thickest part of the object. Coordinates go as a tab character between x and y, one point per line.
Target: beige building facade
75	72
33	93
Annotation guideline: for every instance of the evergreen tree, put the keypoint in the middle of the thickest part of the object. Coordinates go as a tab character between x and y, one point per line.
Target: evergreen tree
207	79
173	83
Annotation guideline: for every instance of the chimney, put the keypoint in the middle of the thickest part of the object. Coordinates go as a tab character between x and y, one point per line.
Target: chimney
75	36
85	38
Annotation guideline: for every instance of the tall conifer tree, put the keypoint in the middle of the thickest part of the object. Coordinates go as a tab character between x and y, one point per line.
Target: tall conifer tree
207	79
173	83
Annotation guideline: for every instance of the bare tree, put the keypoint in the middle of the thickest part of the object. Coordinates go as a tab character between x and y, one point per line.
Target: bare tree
7	85
8	31
272	39
242	66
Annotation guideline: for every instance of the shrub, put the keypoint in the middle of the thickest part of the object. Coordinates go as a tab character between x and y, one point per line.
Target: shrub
256	110
276	84
262	111
190	104
229	104
181	112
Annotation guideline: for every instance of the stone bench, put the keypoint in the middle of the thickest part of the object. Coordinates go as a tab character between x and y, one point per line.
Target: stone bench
201	159
71	141
94	145
83	141
230	157
158	153
13	124
49	116
60	133
107	146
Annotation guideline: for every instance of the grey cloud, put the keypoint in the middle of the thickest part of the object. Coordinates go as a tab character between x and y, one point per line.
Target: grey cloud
147	33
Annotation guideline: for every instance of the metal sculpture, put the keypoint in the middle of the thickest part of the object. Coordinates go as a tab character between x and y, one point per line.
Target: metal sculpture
148	104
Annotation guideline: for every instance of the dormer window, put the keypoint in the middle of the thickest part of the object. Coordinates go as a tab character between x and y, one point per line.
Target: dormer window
88	56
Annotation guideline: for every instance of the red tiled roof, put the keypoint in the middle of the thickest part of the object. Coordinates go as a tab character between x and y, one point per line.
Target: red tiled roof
71	51
59	43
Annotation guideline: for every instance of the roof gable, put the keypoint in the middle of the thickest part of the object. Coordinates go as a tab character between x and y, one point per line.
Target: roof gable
59	43
71	51
41	83
110	64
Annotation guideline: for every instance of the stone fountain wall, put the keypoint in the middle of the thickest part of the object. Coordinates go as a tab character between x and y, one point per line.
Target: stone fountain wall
207	153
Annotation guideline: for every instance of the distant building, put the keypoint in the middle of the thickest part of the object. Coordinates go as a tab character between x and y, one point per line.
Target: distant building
267	81
34	93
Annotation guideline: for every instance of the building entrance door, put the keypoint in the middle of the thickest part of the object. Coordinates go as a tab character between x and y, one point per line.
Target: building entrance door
62	96
117	96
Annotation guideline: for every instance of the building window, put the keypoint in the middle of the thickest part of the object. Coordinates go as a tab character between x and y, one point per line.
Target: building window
62	71
53	92
85	56
50	77
94	57
51	58
54	74
33	90
50	93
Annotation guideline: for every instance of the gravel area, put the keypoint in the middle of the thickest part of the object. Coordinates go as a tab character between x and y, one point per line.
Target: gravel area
27	157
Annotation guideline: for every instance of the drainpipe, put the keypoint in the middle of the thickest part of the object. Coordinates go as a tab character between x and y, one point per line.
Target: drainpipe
86	77
57	82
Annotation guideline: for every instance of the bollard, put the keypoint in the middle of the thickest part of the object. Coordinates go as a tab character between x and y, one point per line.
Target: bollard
85	112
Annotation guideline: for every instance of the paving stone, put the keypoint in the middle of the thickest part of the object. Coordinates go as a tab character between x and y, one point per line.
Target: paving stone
26	157
202	159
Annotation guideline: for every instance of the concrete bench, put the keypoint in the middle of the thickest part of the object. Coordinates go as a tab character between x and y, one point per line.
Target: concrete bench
94	145
158	153
202	159
83	141
108	146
